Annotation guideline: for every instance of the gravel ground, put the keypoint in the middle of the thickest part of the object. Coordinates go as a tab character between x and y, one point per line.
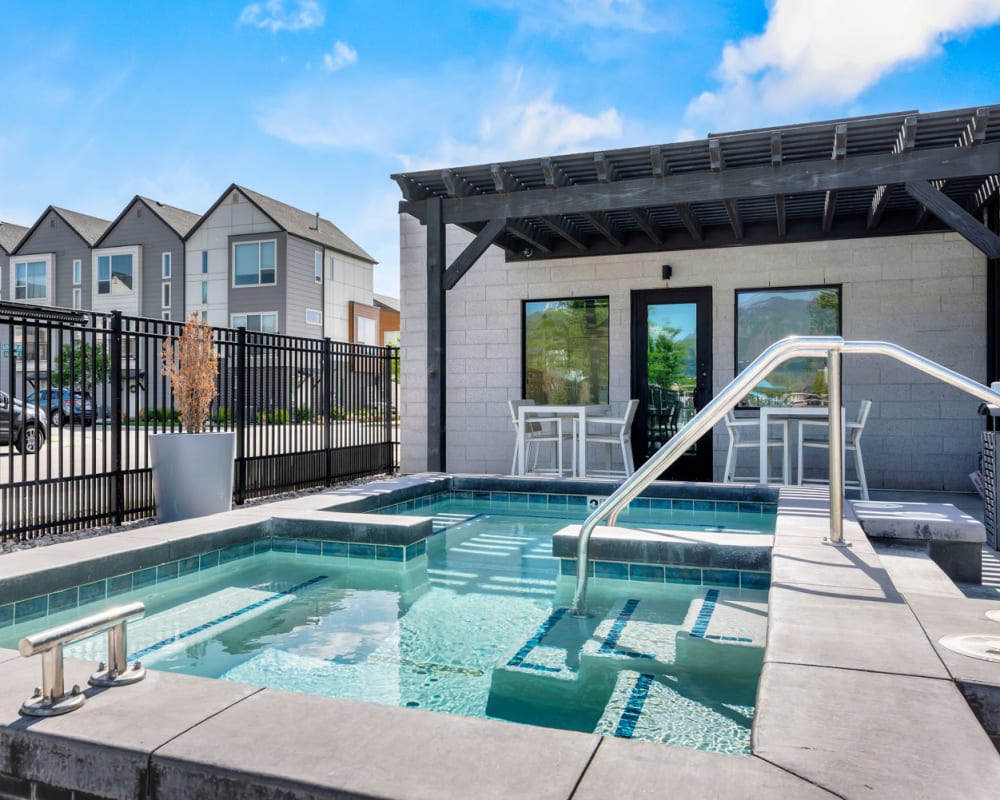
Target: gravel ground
12	545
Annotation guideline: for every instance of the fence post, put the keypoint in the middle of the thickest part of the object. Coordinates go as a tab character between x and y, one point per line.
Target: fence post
387	396
241	415
326	407
117	476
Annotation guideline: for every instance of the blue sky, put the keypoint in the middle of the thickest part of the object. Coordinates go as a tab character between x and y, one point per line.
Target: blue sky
316	102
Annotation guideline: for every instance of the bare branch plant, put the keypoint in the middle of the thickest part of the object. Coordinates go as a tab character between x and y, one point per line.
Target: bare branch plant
192	365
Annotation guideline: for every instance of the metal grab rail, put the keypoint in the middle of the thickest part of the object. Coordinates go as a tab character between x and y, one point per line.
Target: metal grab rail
51	698
701	423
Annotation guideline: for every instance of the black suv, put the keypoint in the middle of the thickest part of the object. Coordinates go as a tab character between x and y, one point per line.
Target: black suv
24	429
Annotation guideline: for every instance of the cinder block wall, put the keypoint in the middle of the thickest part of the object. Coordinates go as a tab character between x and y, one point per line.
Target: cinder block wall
926	293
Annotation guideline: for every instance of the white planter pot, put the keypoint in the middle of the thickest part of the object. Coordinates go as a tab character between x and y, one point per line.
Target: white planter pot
192	473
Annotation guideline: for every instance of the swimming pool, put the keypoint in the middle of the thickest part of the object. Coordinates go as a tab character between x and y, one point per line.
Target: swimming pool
474	624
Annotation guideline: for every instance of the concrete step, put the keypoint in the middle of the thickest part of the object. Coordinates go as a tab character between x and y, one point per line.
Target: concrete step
724	629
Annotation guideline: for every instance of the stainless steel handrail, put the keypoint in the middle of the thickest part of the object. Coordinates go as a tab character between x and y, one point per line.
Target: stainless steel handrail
51	698
701	423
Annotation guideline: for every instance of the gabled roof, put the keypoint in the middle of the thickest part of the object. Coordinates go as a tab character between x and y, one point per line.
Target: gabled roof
296	222
88	228
10	235
904	172
387	302
177	219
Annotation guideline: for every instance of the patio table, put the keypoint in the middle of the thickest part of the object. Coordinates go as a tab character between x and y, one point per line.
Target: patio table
579	412
769	414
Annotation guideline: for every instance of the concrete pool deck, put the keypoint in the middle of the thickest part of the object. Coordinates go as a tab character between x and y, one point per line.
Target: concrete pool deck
856	699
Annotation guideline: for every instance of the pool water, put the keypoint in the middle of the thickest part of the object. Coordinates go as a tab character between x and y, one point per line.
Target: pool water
478	628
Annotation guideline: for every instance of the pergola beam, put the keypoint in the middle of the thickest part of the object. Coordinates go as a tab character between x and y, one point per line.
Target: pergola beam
604	227
718	163
472	252
643	220
905	140
690	221
973	135
839	154
955	217
564	231
525	234
746	182
456	185
983	194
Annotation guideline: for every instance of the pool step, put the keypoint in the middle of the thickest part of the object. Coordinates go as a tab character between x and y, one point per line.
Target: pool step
548	663
661	708
636	634
724	629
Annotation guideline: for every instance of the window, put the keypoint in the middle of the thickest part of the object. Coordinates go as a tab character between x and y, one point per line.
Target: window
254	263
77	297
264	323
318	266
166	265
204	262
566	350
313	317
31	344
330	270
763	316
116	270
204	291
165	296
77	272
165	315
31	278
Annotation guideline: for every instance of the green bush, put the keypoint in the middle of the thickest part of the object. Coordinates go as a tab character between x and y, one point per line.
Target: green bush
337	414
279	417
304	414
222	416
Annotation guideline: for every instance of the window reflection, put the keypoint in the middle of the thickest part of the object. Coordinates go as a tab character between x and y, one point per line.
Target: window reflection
566	350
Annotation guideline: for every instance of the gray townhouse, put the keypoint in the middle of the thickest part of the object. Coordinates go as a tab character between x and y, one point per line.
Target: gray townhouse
10	237
137	266
256	262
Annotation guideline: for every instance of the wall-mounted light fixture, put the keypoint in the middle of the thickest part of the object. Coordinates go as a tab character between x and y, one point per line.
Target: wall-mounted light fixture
528	252
668	272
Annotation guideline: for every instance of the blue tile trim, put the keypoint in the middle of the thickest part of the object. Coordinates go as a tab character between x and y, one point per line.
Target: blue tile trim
610	644
63	600
337	549
92	592
633	708
534	641
705	614
6	615
224	618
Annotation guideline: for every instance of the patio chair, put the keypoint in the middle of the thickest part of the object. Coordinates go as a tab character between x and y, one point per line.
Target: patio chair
744	433
619	434
537	431
852	444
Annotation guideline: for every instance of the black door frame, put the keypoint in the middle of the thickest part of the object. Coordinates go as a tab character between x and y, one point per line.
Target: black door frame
696	467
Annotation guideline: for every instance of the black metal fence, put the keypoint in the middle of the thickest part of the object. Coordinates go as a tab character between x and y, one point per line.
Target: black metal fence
81	391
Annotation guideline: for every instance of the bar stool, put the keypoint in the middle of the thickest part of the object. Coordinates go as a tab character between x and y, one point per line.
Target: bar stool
852	444
744	433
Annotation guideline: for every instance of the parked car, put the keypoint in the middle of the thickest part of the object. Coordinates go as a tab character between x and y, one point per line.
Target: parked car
26	430
64	405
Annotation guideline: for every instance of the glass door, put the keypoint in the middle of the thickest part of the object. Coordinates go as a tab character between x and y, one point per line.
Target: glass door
672	374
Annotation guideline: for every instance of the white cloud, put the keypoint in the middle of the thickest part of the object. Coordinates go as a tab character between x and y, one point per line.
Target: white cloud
271	15
341	55
421	127
816	53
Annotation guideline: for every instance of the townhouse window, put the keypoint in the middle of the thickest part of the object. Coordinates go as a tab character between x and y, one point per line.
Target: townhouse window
204	291
318	266
31	344
31	279
166	265
165	296
254	263
116	271
763	316
204	262
165	315
566	350
77	297
266	322
313	317
77	272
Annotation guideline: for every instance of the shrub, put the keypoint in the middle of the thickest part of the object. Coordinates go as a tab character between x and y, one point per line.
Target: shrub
192	365
304	414
223	416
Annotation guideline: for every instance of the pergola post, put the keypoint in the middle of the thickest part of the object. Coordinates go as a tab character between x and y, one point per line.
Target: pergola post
436	325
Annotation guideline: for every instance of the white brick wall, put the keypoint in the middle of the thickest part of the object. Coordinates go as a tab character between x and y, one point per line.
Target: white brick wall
926	293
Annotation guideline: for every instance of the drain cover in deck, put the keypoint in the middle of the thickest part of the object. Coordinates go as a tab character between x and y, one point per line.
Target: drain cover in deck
974	645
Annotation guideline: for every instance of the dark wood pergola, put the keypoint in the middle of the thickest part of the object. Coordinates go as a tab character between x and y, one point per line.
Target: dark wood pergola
887	175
